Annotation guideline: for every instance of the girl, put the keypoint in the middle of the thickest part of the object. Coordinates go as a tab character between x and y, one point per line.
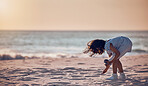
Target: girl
115	48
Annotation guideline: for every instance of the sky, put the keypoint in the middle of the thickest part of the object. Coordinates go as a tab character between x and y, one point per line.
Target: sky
101	15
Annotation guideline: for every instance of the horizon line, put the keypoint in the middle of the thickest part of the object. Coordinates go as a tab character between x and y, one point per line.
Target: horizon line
79	30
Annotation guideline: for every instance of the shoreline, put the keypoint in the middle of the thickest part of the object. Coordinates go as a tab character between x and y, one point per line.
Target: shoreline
57	55
71	71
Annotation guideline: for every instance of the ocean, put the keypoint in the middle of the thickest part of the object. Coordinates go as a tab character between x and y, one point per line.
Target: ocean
46	44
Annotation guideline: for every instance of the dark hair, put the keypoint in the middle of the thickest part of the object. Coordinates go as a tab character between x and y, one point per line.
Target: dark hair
95	47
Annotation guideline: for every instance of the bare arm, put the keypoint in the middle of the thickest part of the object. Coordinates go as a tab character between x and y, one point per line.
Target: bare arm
117	53
105	70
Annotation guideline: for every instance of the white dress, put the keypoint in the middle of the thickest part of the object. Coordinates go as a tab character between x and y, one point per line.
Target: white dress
122	44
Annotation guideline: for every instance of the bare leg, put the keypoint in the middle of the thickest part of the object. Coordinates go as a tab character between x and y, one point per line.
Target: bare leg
115	63
119	66
114	75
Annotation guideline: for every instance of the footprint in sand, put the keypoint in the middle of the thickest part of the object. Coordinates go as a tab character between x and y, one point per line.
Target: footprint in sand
80	63
58	83
27	79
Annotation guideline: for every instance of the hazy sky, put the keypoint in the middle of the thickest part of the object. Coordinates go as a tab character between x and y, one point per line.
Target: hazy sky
73	14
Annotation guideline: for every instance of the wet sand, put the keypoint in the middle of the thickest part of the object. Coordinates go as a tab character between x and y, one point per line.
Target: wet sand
71	72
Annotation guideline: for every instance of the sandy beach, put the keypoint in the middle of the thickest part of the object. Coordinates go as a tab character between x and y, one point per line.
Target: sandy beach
71	72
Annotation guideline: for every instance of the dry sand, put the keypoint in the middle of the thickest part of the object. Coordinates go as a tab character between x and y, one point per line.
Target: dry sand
71	72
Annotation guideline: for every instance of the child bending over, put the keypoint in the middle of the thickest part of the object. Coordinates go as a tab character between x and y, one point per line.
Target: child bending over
115	48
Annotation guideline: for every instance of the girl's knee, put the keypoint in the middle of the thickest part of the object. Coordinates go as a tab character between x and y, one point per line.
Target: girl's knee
116	61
